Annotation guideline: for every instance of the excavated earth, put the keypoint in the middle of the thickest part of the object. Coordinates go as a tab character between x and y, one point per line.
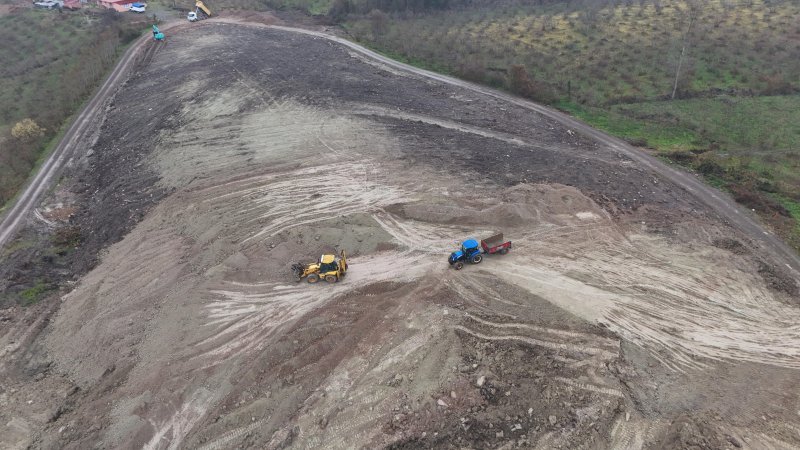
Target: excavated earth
626	315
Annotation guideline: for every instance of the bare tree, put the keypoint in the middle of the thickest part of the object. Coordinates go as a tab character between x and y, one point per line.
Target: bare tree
588	15
340	9
693	11
547	23
379	21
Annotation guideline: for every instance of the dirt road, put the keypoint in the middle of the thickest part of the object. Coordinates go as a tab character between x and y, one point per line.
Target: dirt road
628	314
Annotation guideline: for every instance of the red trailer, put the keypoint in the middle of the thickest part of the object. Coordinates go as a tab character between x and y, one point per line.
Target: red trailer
495	244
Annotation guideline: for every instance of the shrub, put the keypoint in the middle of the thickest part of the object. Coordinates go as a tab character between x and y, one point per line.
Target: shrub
708	164
776	84
379	22
65	237
473	70
519	82
758	201
637	141
340	9
27	130
35	293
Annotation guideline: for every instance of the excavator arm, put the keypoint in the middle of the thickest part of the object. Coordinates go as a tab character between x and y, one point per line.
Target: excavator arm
343	263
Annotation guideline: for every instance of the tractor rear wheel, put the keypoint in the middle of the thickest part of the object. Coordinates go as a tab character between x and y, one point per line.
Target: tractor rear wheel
313	278
477	259
331	278
458	266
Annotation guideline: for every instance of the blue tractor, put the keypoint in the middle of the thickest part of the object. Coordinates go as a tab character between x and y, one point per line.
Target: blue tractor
470	251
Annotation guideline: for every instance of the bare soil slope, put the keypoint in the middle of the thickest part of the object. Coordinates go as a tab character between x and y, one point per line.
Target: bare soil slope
626	315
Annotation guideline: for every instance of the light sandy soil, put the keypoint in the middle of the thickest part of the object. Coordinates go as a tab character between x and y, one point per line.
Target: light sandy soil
606	326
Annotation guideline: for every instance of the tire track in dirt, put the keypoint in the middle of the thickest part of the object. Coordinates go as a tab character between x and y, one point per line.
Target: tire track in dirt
613	344
350	413
473	289
590	387
244	316
677	311
718	201
632	432
426	238
181	422
674	312
226	440
587	350
558	346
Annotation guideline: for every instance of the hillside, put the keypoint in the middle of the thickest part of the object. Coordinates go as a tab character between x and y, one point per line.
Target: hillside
629	313
616	64
709	85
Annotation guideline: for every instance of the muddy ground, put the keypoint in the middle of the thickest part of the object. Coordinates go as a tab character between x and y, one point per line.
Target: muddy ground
625	316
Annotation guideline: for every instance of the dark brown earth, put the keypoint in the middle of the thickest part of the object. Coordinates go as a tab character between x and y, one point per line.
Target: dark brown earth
179	335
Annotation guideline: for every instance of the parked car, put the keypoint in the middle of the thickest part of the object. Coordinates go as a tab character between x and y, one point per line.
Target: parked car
46	4
138	7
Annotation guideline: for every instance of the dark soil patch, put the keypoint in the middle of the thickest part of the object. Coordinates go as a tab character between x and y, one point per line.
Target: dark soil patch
778	280
732	245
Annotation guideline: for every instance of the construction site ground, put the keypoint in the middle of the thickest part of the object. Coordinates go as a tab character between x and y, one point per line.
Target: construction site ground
627	314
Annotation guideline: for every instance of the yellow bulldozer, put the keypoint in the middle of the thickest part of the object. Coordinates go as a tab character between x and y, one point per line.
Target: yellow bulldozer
330	268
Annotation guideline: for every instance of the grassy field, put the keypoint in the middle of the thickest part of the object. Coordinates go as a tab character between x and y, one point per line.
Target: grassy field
614	54
49	63
747	145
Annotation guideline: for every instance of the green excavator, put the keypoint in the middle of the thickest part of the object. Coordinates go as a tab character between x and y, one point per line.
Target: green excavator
157	34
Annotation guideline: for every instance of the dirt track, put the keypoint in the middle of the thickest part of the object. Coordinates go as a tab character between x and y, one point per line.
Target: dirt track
618	320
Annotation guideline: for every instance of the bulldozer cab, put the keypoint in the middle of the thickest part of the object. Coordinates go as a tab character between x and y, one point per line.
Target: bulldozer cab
328	263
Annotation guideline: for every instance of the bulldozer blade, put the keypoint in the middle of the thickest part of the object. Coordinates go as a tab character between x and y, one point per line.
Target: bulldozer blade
298	269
